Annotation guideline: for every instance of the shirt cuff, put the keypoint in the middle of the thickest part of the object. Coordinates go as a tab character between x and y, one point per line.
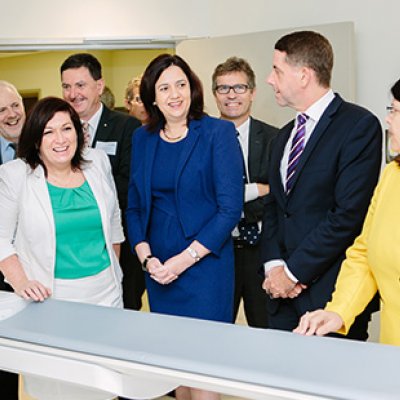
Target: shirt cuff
277	263
250	192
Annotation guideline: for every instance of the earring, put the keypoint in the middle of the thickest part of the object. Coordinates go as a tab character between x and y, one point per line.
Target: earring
154	103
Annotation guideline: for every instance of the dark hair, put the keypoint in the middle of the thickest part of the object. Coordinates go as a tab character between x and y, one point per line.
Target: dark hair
310	49
86	60
395	90
148	92
234	64
33	131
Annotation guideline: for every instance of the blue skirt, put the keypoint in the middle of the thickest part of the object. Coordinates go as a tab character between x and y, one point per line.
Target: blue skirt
203	291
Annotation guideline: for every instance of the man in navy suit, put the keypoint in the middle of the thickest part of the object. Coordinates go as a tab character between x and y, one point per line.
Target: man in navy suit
234	88
12	118
324	168
82	86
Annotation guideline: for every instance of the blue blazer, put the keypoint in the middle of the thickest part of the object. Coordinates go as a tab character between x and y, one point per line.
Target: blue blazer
312	227
208	183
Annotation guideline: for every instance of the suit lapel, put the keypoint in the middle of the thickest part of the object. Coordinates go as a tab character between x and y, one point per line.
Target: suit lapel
39	188
276	157
318	132
150	151
255	149
99	194
190	142
103	129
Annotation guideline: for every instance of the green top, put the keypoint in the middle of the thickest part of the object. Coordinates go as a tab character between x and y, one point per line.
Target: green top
80	246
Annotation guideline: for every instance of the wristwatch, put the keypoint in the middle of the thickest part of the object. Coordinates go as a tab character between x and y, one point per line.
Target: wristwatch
145	261
193	253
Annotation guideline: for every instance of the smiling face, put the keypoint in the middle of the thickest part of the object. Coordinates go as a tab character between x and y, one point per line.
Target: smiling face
393	122
172	91
235	107
12	114
285	79
59	142
82	91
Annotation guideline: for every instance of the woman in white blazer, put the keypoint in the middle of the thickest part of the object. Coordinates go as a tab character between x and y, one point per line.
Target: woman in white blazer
60	226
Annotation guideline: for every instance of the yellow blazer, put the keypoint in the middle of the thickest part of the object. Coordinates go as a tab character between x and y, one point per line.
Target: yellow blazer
373	262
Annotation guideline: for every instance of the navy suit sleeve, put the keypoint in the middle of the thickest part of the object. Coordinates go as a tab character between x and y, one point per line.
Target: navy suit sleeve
356	176
258	168
227	172
121	173
269	248
135	206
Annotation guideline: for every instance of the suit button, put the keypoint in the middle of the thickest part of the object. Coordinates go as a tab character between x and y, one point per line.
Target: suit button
286	215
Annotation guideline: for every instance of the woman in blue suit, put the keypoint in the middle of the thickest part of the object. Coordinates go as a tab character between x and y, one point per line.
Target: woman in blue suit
185	196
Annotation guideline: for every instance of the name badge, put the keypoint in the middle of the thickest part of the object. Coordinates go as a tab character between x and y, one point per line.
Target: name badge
109	148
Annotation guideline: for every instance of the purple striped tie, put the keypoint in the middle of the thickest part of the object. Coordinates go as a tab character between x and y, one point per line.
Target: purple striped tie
296	149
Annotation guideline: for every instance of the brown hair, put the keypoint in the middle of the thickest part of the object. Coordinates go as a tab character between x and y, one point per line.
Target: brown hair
148	91
86	60
132	84
33	131
234	64
310	49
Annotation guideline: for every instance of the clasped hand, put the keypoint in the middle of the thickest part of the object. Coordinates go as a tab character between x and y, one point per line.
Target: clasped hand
170	270
277	284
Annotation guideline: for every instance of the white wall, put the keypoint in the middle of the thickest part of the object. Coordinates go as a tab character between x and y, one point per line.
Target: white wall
377	32
376	26
205	54
87	18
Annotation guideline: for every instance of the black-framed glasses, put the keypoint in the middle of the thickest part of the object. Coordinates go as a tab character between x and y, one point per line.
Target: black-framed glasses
392	110
137	99
239	88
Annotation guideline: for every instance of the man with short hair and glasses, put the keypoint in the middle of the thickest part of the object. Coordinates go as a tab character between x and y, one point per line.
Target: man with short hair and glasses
234	88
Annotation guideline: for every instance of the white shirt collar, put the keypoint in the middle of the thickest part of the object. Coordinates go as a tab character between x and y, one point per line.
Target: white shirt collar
244	129
316	110
94	121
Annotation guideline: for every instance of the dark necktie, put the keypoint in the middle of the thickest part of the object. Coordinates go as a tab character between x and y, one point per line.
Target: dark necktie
248	232
14	147
296	149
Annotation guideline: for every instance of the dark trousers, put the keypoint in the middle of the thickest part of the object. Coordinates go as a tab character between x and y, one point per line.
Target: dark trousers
286	318
133	283
8	380
248	285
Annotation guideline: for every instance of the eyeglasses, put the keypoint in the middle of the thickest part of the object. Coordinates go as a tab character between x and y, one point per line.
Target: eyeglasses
240	88
392	110
137	99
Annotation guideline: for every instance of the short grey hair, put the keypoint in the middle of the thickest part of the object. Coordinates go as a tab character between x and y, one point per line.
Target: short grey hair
9	85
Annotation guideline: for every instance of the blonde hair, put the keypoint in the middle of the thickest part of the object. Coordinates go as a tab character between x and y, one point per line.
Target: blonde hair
132	84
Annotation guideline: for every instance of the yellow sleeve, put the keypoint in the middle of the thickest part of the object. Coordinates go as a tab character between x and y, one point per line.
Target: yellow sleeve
356	285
